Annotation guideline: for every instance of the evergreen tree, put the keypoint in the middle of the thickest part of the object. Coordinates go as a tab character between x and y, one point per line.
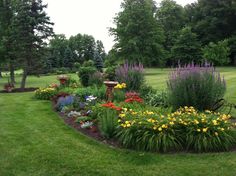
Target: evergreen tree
186	48
7	48
138	35
68	58
32	27
98	61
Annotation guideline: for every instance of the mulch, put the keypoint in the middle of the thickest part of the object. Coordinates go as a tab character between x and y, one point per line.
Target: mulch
94	132
19	90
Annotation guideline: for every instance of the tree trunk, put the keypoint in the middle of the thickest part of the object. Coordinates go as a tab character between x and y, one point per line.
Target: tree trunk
23	81
12	73
0	74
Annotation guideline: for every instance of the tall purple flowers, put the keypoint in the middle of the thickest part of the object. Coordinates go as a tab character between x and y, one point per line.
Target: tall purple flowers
195	85
131	74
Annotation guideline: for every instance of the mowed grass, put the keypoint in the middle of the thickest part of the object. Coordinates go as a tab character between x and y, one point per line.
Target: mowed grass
34	141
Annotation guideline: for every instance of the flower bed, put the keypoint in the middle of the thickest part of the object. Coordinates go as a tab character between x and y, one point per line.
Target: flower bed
130	122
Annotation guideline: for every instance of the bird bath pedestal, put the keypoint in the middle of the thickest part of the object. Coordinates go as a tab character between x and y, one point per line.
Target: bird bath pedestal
110	86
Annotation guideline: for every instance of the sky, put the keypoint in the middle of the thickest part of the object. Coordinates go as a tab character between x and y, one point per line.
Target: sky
92	17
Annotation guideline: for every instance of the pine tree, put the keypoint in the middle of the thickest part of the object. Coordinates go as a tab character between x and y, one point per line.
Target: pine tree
32	27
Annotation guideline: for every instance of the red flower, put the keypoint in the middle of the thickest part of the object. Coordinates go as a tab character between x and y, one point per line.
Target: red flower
112	106
134	99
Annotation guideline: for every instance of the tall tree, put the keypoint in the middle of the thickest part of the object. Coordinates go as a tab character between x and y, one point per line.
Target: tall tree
32	28
7	53
138	35
186	48
172	18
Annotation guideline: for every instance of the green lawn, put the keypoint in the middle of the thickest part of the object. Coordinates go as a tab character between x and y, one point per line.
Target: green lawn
34	141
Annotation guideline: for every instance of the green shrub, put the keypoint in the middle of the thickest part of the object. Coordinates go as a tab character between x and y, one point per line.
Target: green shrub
145	89
156	99
45	93
89	63
217	53
108	122
200	87
110	73
85	73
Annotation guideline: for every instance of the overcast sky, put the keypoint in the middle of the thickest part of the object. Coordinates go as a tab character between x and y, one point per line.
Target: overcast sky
92	17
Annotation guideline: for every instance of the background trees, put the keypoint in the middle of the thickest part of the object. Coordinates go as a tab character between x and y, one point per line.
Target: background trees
138	35
169	33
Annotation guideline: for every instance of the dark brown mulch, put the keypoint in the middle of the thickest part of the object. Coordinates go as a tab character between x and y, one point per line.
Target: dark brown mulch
19	90
93	133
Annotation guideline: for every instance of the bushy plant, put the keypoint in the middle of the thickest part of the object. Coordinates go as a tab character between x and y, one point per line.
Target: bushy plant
156	99
217	53
110	73
89	63
131	74
45	93
184	129
198	86
96	79
108	122
85	73
145	89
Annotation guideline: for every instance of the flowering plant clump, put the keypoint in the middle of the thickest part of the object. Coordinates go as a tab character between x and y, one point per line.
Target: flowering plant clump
185	128
199	86
120	86
131	74
111	106
53	85
45	93
133	97
90	98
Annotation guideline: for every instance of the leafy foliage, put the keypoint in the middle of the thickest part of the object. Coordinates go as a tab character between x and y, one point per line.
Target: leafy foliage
138	34
186	48
85	73
108	122
217	53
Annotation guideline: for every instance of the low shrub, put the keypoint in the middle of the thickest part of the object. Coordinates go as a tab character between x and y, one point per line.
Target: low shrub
85	73
156	99
198	86
184	129
145	89
110	73
45	93
132	75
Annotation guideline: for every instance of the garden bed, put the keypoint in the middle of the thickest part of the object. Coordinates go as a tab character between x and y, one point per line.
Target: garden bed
19	90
